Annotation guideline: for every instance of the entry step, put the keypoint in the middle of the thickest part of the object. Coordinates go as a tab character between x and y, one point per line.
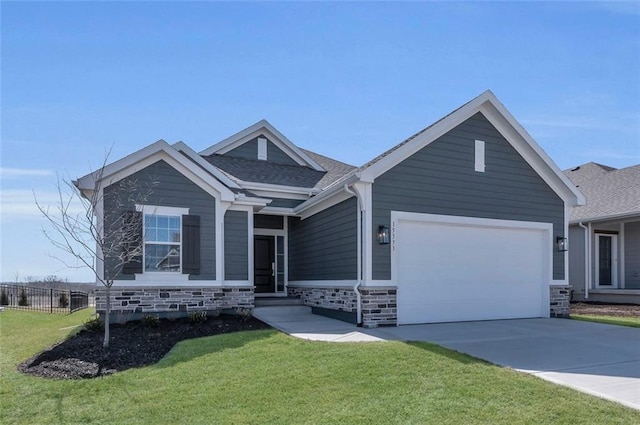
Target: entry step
276	301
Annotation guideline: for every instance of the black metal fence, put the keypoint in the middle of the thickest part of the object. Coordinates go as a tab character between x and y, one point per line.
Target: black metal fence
42	299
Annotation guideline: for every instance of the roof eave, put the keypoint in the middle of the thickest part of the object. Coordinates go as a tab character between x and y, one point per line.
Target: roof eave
330	191
596	219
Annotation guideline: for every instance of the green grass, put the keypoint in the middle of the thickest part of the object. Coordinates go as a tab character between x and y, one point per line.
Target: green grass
610	320
265	377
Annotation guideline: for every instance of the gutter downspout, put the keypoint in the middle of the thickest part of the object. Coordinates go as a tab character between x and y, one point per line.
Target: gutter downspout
587	259
359	254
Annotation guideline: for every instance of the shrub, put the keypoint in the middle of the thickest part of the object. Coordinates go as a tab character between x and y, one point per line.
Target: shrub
23	301
150	320
63	300
244	313
4	299
198	316
94	325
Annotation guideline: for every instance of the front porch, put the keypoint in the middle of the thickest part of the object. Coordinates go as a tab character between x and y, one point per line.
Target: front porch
604	261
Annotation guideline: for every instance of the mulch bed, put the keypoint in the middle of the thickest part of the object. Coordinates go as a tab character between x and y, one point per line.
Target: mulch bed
131	345
620	310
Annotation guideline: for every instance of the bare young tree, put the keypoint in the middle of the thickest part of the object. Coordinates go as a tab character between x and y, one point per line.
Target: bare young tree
103	241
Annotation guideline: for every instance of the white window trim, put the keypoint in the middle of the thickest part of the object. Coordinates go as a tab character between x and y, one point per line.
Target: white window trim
479	156
167	211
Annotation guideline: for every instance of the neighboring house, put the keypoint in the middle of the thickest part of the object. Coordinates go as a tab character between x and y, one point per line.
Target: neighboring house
604	234
461	221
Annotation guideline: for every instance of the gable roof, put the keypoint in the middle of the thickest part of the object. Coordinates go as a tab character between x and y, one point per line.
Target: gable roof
489	105
263	128
610	193
149	155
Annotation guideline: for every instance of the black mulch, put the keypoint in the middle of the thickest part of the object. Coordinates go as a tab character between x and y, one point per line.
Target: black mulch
133	344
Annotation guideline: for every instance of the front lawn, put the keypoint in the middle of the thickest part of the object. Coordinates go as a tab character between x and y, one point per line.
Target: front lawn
632	321
268	377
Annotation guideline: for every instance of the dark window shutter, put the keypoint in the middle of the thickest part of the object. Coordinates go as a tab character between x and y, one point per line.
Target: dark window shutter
135	264
191	244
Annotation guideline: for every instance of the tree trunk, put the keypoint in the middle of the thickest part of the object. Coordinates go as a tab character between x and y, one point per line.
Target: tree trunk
105	344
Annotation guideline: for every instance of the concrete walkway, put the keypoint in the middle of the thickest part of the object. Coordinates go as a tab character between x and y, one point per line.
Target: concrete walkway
602	360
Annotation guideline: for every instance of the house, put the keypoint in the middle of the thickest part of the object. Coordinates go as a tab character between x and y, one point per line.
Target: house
464	220
604	234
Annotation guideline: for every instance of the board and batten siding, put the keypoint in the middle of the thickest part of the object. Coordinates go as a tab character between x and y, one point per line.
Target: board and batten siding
160	184
236	245
249	150
441	179
324	246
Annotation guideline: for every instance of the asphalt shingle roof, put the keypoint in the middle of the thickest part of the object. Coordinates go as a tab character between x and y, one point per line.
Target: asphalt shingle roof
250	170
335	169
609	192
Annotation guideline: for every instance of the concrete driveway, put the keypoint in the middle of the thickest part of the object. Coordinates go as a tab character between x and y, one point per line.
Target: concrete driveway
602	360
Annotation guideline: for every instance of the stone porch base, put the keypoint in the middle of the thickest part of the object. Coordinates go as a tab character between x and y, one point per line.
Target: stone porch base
559	298
135	302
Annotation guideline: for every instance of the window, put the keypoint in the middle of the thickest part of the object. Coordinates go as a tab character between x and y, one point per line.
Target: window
162	243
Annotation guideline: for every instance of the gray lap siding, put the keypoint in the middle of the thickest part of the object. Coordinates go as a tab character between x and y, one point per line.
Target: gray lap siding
324	246
161	185
632	255
236	245
440	179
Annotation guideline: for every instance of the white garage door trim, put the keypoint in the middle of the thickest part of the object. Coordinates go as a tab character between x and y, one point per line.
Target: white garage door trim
546	259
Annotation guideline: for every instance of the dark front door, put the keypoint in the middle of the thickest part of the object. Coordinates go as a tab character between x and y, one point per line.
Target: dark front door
264	264
607	260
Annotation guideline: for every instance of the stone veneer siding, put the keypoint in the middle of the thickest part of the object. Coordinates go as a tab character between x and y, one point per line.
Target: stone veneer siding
342	299
559	299
379	306
132	303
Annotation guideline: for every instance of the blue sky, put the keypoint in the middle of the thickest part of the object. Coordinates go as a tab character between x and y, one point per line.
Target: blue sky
348	80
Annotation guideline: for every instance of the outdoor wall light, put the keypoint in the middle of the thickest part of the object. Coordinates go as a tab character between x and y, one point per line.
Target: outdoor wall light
562	244
383	235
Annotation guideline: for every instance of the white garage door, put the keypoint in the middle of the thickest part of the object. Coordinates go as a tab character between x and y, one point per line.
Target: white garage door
458	268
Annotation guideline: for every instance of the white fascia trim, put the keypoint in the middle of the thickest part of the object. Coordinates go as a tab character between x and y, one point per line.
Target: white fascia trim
248	200
161	210
182	147
527	147
278	188
238	207
282	195
348	284
497	114
277	138
277	211
325	194
149	155
324	204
